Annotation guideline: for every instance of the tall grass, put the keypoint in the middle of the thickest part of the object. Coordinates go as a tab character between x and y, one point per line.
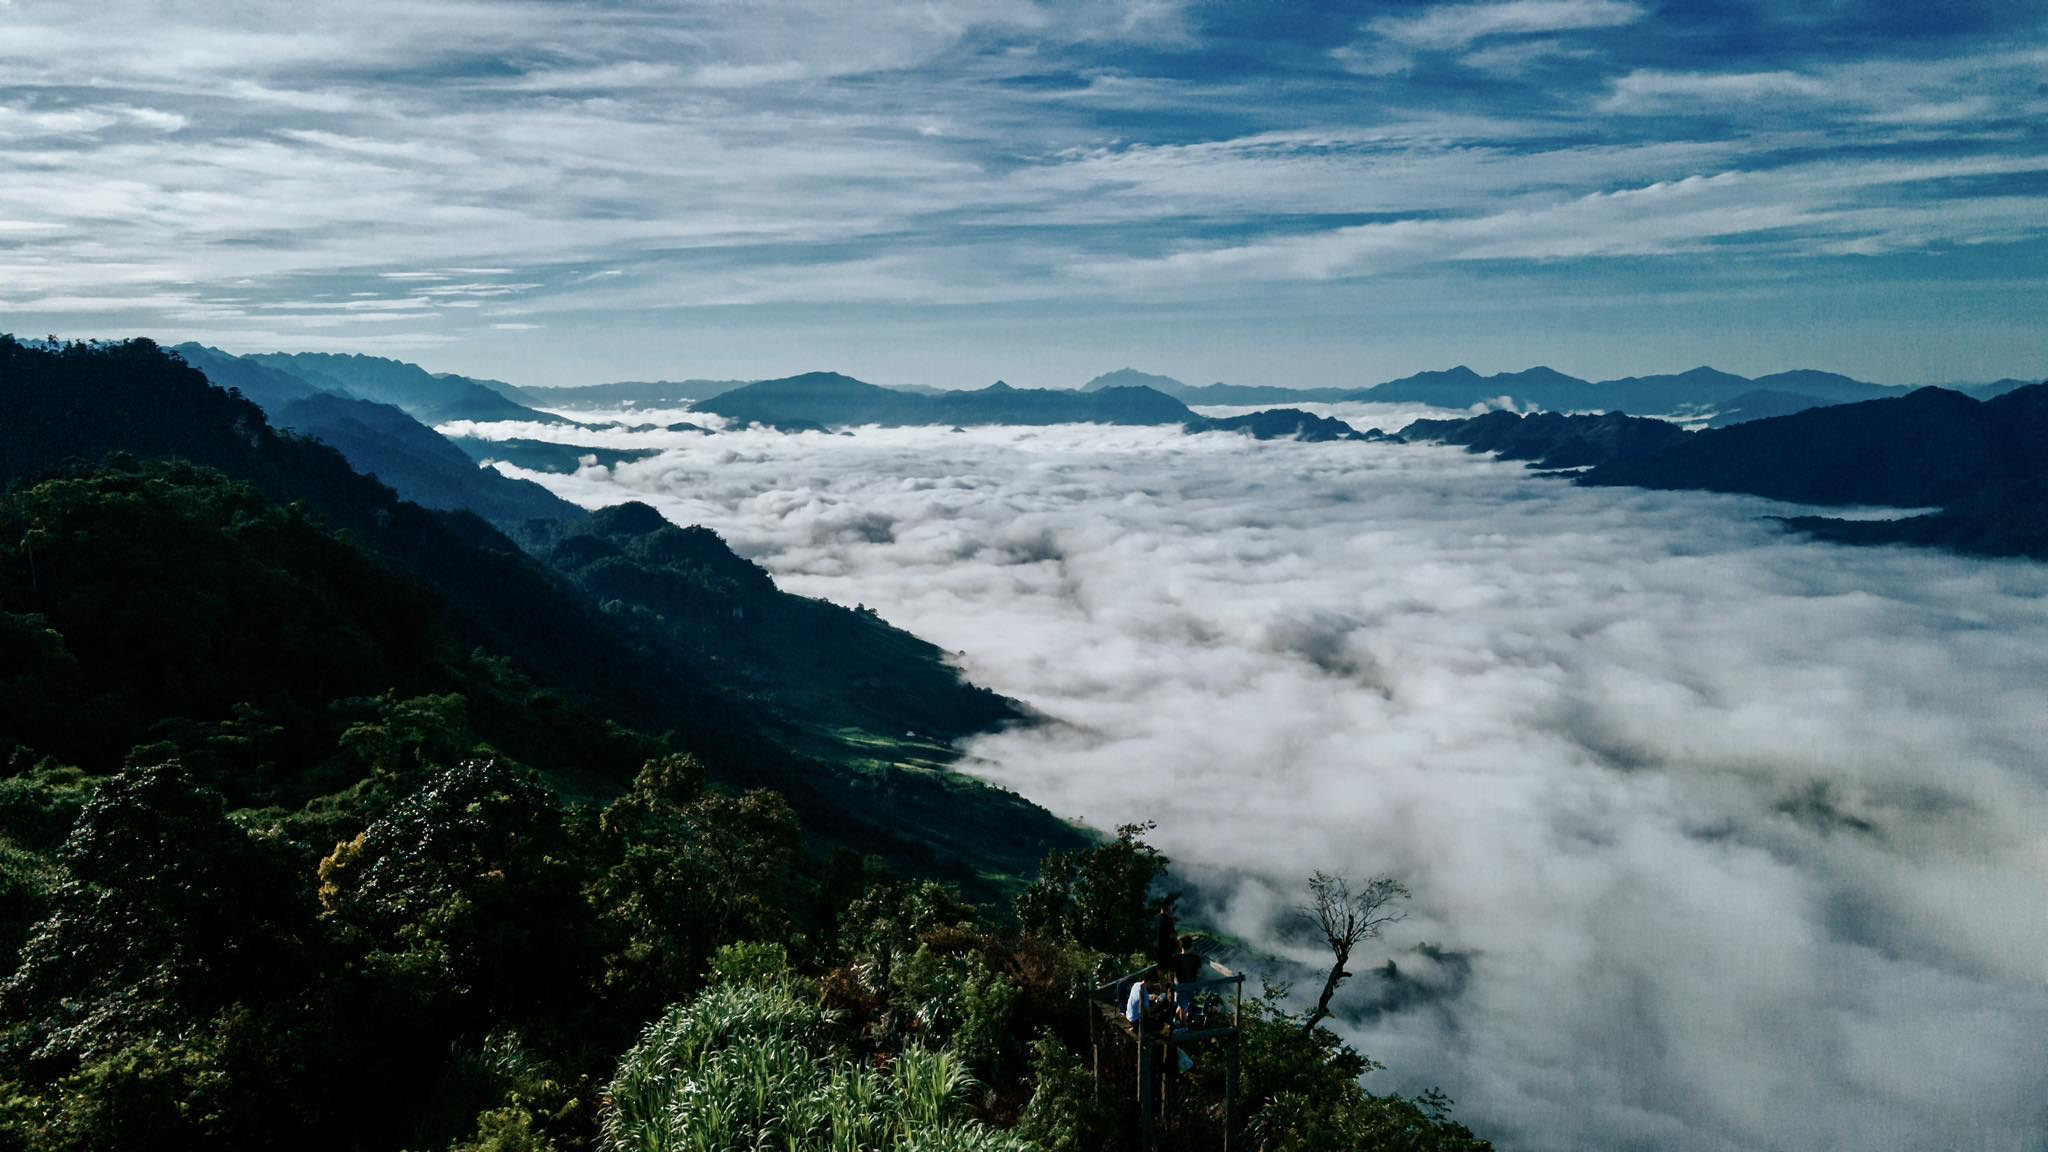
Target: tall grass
753	1068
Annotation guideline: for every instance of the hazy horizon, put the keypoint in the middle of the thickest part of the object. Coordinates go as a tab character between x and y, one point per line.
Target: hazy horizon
1019	380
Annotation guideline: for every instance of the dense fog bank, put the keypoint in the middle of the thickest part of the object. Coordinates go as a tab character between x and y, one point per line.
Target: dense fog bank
1719	838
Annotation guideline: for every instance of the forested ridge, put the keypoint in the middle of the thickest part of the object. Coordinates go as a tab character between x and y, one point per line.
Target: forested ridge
331	822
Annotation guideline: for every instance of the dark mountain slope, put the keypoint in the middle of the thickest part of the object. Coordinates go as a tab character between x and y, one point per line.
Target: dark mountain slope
271	388
1984	463
86	402
1549	440
808	724
2007	520
430	398
1283	424
879	704
424	467
1929	447
167	604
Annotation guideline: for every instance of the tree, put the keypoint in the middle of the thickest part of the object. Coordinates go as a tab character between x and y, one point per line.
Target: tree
468	888
688	869
1347	919
1096	898
167	912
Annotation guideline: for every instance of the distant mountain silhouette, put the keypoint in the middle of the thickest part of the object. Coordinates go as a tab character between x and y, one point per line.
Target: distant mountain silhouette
828	399
1256	394
1218	393
380	440
1761	404
1550	440
1980	461
433	399
1832	387
1461	387
1695	390
1701	392
1132	378
641	393
1283	424
1994	388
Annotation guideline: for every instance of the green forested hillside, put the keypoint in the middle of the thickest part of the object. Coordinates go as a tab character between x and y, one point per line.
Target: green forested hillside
843	713
312	834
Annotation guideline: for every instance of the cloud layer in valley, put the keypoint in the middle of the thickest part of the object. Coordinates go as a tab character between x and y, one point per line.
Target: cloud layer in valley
1718	838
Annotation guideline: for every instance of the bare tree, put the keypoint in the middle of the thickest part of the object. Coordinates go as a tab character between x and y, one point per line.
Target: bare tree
1347	919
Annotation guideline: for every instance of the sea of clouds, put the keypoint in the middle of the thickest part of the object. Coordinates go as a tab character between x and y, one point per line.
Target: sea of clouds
1718	838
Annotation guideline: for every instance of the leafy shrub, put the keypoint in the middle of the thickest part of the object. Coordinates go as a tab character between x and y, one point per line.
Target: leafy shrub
1064	1115
961	1001
750	963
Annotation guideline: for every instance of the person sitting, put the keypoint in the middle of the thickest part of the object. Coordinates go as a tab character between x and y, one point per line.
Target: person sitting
1139	998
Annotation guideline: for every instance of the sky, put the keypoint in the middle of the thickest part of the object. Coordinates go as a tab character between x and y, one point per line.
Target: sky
1718	838
951	191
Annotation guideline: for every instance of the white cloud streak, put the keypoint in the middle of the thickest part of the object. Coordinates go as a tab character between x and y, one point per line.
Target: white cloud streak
1457	25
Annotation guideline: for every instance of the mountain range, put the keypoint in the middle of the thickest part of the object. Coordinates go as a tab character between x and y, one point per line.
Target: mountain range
828	399
1801	436
1702	395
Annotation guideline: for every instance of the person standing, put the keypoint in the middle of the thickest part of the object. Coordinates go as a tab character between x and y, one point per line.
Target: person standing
1165	940
1187	971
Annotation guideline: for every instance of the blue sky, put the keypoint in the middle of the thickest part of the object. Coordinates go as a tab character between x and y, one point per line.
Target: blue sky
947	192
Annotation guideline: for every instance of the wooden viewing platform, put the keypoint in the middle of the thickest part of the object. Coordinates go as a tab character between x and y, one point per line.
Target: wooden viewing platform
1160	1040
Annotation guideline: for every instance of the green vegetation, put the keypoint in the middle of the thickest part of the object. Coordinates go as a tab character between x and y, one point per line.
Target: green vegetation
309	839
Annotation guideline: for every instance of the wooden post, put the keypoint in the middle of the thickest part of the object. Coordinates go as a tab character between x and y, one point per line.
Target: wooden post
1230	1093
1095	1046
1169	1077
1149	1137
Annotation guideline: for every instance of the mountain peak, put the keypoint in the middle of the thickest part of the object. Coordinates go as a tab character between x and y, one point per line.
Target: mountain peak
1132	378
